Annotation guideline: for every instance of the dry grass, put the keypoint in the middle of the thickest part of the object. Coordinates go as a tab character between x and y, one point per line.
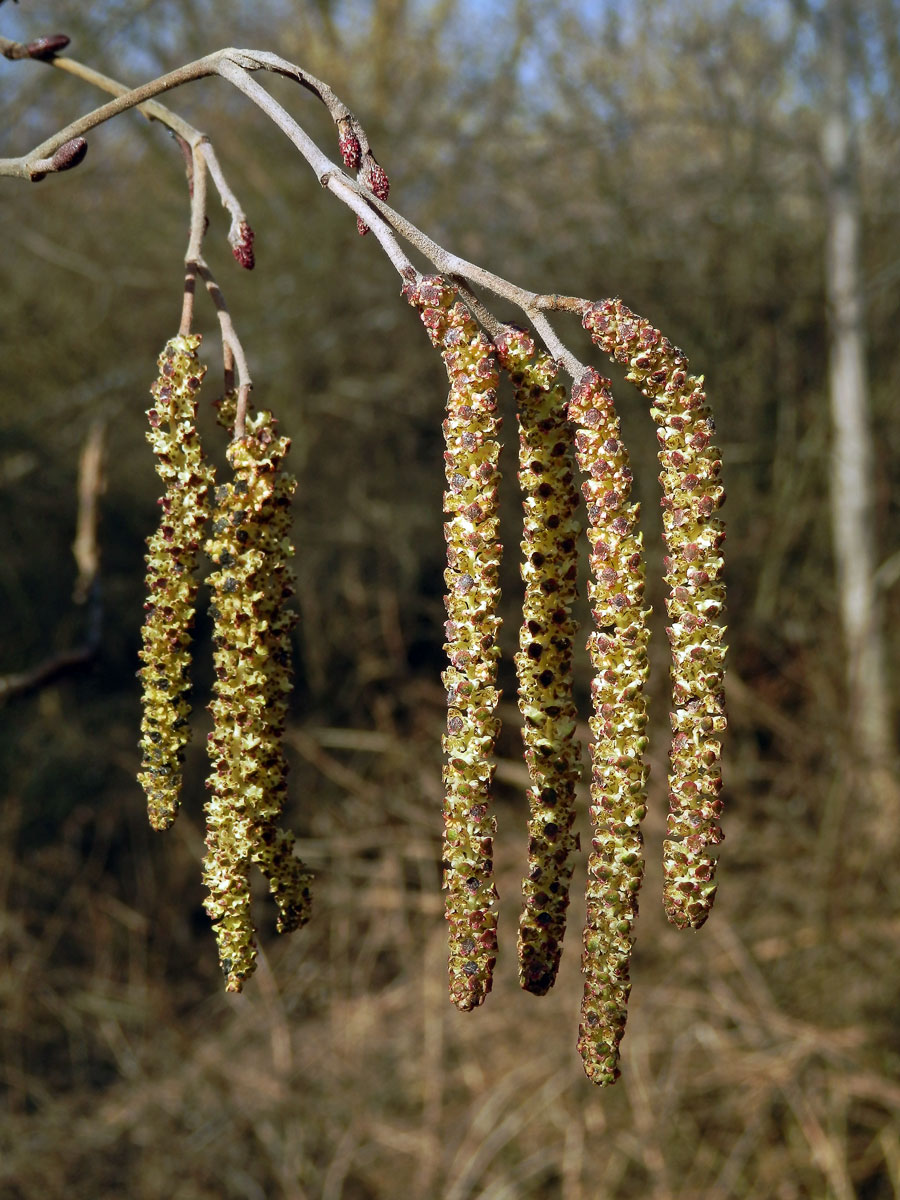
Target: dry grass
760	1058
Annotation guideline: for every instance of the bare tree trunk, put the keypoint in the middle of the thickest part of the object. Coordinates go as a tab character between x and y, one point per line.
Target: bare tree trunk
852	505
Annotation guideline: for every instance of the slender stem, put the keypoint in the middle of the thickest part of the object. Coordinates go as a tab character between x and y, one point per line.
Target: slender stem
230	202
233	352
240	415
187	303
151	109
565	357
24	167
198	205
196	167
228	367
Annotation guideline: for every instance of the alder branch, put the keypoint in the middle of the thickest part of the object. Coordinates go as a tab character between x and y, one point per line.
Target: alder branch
196	162
235	66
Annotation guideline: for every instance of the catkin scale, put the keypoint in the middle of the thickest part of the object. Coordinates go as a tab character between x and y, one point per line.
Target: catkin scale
618	650
251	585
692	492
171	586
473	559
544	661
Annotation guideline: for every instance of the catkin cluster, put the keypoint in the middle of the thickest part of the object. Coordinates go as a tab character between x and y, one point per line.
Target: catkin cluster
473	560
618	650
171	586
544	661
249	547
692	492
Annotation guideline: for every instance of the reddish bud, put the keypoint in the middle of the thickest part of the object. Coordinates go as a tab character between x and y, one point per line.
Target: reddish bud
242	248
47	47
69	155
377	180
351	151
361	227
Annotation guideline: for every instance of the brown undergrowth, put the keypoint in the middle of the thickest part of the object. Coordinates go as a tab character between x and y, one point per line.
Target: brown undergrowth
760	1059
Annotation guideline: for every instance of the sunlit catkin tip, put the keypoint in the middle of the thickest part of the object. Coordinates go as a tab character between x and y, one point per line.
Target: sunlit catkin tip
289	880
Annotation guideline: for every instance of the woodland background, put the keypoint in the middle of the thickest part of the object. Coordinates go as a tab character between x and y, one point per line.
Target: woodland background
669	156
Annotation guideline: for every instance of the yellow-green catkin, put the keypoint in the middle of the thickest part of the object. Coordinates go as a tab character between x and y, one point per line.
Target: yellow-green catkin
692	492
171	586
473	559
544	662
249	547
618	650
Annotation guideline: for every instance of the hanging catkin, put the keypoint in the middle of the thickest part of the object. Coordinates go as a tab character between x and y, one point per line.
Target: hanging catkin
473	560
618	649
692	492
251	584
171	586
544	661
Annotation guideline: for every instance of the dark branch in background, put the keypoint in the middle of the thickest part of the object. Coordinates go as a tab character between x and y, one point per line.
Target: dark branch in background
87	587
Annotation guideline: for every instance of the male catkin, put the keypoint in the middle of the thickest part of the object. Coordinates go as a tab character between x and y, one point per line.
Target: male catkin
473	559
544	661
251	584
618	649
171	586
692	492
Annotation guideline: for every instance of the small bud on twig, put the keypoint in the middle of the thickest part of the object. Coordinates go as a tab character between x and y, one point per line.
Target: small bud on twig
348	143
377	180
69	155
242	246
47	47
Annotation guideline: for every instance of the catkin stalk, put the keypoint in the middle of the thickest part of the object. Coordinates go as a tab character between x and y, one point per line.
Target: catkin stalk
473	559
172	589
692	492
618	649
544	661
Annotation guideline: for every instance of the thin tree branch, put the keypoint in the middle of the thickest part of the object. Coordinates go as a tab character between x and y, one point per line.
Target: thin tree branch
90	487
233	354
232	350
151	109
196	167
235	66
87	587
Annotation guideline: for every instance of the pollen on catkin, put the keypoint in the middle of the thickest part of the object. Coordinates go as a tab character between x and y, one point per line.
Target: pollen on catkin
618	650
171	586
473	559
544	661
692	492
251	584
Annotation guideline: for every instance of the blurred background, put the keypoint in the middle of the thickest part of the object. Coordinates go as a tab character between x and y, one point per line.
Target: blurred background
711	162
